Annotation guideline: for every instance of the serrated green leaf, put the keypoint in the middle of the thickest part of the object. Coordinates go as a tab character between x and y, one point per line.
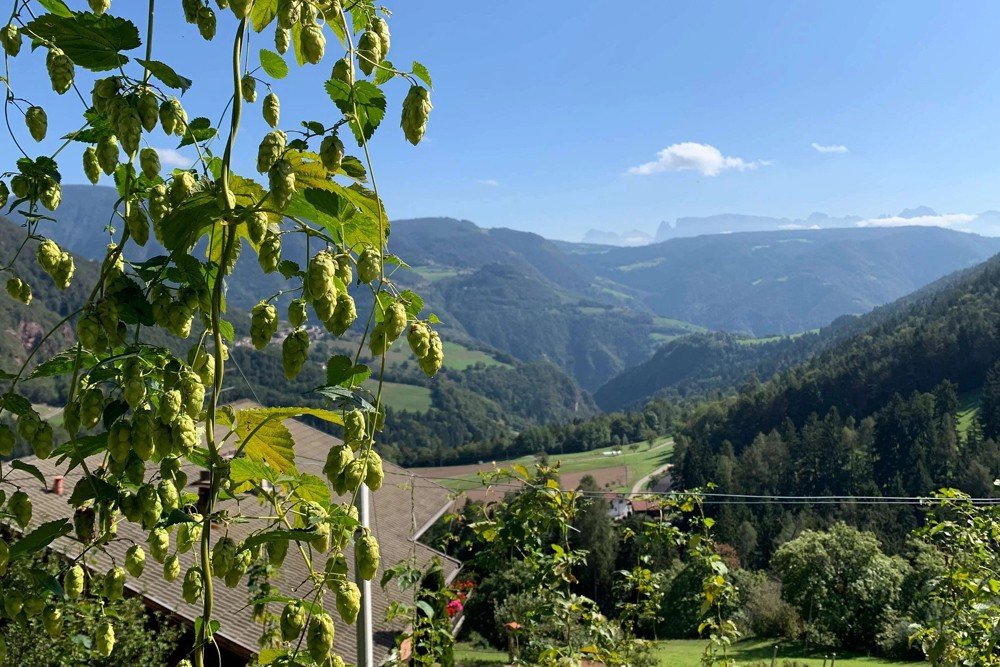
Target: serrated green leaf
62	363
422	73
39	538
227	330
341	370
297	48
313	489
199	129
57	7
18	464
384	73
364	102
295	535
263	13
273	64
186	223
92	42
412	302
16	403
166	74
265	438
92	488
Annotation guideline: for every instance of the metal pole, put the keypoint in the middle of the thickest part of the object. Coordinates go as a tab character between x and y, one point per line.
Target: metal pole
774	656
365	629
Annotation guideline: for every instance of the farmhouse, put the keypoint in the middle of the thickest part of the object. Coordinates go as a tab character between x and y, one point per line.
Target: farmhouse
401	511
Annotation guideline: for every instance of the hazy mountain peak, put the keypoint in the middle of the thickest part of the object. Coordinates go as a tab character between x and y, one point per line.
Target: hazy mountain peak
918	212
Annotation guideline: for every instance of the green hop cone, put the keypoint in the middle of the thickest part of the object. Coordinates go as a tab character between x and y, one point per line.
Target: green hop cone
104	638
348	601
91	165
91	407
159	544
241	8
263	324
354	475
294	352
366	552
342	71
281	180
129	128
282	39
188	533
272	109
19	290
206	22
143	430
173	118
416	110
319	638
137	222
114	584
135	560
369	51
223	556
331	152
293	620
354	426
183	435
149	110
60	69
120	441
419	339
107	153
7	441
313	43
289	13
37	122
21	186
10	40
381	28
85	524
192	586
394	320
276	551
168	495
337	460
91	332
194	393
241	563
257	226
73	582
270	150
297	312
269	255
104	93
51	193
171	568
99	6
374	474
369	265
344	314
248	88
432	363
52	621
320	273
149	161
4	194
182	187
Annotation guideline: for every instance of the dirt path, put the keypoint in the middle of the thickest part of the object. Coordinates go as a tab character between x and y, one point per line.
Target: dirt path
643	482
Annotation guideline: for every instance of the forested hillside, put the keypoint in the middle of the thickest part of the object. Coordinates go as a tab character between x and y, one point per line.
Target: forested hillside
875	414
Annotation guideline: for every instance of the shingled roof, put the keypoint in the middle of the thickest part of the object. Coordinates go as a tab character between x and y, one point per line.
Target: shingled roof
400	511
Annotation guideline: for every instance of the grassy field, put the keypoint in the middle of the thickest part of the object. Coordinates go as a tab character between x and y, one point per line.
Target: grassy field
687	653
458	357
434	273
640	462
405	396
967	411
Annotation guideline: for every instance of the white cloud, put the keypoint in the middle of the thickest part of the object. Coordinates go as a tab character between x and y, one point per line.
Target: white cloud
691	156
944	220
793	226
170	157
833	148
492	182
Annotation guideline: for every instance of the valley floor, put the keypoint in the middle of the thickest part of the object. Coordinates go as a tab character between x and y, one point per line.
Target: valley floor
687	653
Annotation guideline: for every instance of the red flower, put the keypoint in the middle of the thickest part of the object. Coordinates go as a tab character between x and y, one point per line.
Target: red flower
455	607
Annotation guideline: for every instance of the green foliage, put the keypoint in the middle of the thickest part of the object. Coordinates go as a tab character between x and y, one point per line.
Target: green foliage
841	583
140	402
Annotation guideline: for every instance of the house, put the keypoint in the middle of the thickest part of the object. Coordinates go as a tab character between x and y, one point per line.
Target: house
619	508
401	511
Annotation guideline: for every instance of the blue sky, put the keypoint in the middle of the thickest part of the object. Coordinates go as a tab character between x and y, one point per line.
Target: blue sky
541	112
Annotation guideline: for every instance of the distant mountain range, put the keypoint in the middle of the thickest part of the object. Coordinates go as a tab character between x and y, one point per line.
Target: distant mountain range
594	310
986	223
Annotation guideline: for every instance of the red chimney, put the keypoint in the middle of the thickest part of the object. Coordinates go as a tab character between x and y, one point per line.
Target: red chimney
57	485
